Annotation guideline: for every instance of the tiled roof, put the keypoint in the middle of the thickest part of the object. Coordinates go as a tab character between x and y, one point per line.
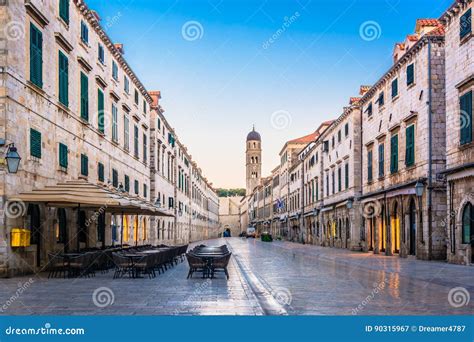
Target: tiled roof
354	100
437	32
427	22
412	37
305	139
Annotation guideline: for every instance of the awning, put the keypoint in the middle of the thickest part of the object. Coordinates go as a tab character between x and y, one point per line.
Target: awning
80	193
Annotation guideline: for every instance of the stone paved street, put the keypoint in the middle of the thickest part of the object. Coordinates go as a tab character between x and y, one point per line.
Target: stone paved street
265	278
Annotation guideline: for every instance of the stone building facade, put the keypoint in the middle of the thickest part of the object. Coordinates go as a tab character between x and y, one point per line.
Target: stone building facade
403	139
459	48
74	109
407	147
229	215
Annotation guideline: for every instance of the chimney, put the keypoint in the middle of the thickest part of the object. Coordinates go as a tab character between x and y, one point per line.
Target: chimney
155	96
119	47
364	89
96	15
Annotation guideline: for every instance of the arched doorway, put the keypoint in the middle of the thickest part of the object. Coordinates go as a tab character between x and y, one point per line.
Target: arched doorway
412	227
101	229
34	225
468	227
395	229
61	232
348	232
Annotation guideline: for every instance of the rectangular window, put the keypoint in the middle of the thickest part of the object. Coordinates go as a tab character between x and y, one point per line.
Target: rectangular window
84	32
394	88
145	147
158	123
466	118
410	74
136	187
327	184
144	106
114	70
127	183
126	84
369	109
346	129
84	97
114	178
135	141
333	179
346	171
35	143
136	97
100	172
36	56
63	79
339	179
84	165
339	136
410	146
465	23
381	99
114	123
101	53
100	110
64	10
394	154
381	160
145	190
63	155
126	135
369	166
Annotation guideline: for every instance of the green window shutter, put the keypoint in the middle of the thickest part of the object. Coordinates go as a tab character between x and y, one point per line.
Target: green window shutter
84	32
114	178
466	118
64	10
100	172
36	56
394	154
369	166
381	160
339	179
100	110
63	79
127	183
136	187
84	165
135	141
145	190
410	146
114	70
35	143
410	74
347	176
465	24
63	151
84	97
114	123
394	88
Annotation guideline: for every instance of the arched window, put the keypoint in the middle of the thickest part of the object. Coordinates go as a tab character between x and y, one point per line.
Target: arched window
254	145
467	223
256	160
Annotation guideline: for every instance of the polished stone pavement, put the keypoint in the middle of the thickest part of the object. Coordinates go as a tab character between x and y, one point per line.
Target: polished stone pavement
275	278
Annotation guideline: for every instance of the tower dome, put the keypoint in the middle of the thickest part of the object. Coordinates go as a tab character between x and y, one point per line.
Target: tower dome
254	135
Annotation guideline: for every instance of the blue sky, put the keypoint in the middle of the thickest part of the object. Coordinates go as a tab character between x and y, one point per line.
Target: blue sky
232	76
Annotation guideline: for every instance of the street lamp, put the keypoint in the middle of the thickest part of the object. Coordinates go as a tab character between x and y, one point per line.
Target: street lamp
350	203
419	188
12	158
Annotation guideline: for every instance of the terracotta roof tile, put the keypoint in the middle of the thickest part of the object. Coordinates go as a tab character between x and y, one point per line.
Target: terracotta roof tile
354	100
428	22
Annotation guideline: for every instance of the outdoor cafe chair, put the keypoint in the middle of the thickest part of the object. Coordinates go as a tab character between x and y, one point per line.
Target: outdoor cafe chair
220	265
56	265
196	264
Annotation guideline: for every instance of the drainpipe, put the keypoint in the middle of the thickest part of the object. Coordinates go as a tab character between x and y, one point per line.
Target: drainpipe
430	151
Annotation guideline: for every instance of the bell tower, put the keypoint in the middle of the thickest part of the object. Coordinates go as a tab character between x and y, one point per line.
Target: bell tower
253	157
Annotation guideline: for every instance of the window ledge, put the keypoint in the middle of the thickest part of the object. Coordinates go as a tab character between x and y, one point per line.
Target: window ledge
63	107
409	86
85	122
465	39
82	177
64	23
35	88
62	169
466	146
395	98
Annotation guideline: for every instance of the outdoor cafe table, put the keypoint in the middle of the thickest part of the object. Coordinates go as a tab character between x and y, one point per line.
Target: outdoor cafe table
208	256
134	257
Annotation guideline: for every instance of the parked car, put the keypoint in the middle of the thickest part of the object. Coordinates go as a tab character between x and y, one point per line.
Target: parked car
251	232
